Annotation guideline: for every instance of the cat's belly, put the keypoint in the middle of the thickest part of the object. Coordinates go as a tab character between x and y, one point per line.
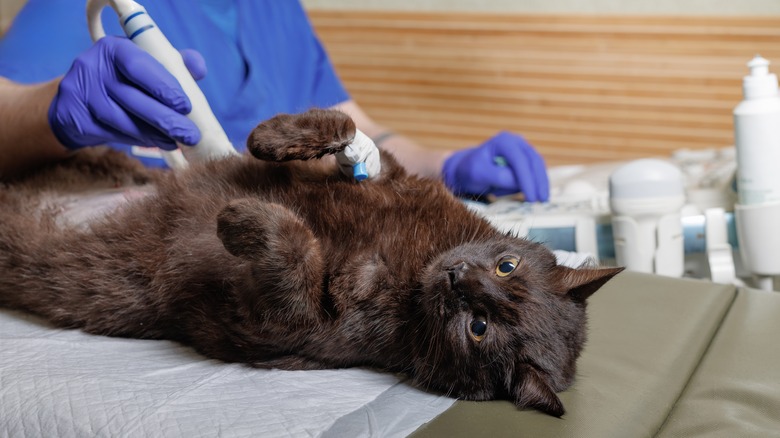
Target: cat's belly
78	209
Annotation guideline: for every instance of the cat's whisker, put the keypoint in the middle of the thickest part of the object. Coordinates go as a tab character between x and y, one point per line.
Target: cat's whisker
450	390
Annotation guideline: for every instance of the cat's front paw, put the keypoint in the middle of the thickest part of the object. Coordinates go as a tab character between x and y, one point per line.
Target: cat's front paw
312	134
286	266
253	229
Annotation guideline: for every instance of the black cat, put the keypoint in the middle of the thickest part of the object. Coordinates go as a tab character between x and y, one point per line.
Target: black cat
279	260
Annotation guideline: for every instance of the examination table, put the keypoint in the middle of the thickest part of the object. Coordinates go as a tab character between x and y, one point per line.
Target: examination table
665	357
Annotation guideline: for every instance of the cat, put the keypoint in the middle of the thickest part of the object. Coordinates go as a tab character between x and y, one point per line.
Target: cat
278	260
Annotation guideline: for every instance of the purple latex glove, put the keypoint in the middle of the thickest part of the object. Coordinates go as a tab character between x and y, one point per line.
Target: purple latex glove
194	62
117	92
503	165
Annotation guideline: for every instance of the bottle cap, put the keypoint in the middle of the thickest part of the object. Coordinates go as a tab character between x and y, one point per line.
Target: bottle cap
759	83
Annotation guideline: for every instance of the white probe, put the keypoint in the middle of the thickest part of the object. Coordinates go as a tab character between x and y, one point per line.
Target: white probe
141	29
361	157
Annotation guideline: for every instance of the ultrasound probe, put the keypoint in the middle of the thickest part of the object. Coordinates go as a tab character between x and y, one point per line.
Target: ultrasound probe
139	27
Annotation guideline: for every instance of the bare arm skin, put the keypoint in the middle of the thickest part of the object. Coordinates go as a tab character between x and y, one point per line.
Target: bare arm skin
26	140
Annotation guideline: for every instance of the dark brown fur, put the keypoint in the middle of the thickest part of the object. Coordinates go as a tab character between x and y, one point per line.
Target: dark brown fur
294	265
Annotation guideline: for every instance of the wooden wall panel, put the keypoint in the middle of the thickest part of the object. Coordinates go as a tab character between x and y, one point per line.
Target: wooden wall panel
580	88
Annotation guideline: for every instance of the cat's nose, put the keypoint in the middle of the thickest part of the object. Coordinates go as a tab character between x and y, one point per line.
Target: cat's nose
456	272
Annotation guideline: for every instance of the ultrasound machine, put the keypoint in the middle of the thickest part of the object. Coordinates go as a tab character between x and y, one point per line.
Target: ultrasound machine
671	216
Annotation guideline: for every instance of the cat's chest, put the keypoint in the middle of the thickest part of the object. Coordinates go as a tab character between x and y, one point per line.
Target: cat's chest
387	239
380	216
368	229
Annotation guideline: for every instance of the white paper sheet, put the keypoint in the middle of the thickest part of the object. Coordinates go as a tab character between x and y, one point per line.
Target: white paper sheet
67	383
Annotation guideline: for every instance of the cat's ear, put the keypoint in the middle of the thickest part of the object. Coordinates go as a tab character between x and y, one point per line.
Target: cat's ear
579	284
532	391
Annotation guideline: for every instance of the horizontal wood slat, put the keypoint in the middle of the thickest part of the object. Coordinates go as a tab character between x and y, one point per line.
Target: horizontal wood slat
580	88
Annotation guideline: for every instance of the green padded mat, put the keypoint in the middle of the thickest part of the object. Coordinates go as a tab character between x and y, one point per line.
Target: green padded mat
647	337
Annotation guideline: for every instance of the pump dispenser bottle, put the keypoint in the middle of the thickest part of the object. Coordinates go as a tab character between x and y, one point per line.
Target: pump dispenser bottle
757	140
757	136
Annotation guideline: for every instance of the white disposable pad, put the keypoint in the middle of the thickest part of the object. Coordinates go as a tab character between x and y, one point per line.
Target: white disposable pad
67	383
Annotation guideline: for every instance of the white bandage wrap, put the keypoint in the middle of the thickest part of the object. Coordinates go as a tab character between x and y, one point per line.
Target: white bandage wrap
362	149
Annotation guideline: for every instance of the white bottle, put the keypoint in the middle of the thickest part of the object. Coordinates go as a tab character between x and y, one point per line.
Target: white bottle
757	140
757	136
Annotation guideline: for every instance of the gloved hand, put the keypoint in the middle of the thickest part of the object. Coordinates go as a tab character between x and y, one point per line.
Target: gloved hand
117	92
503	165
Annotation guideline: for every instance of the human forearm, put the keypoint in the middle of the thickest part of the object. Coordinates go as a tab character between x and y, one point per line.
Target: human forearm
504	164
415	158
114	92
26	139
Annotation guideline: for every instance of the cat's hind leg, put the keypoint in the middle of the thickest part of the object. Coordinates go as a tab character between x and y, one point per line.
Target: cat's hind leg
282	255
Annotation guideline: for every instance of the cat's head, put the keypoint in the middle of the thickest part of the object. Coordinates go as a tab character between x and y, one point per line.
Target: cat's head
501	320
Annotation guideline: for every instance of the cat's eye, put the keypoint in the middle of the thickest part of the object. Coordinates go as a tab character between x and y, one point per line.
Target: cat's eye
478	328
506	266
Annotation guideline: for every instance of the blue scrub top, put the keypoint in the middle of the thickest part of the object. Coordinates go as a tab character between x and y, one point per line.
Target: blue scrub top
263	57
